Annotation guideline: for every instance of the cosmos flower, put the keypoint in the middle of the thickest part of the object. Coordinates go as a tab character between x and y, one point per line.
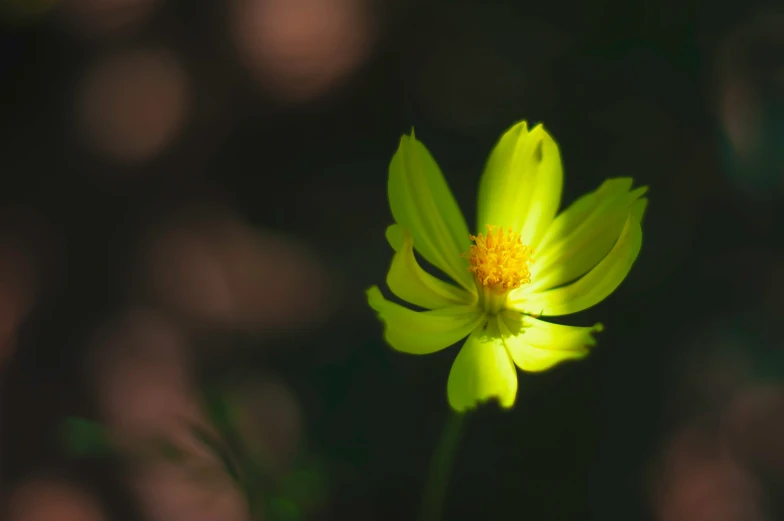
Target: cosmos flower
525	263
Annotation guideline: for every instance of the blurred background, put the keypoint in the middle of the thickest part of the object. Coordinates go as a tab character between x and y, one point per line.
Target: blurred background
193	198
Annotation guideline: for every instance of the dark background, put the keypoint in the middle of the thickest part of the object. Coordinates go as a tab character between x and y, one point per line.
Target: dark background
215	172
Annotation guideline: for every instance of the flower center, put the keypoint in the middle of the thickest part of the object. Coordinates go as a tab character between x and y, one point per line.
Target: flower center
499	262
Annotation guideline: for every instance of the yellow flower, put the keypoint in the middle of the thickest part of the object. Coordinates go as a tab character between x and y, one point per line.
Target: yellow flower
527	263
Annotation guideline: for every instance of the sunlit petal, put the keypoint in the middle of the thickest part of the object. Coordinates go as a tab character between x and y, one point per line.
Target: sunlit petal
423	204
535	345
410	282
521	185
395	235
583	235
482	371
423	332
596	284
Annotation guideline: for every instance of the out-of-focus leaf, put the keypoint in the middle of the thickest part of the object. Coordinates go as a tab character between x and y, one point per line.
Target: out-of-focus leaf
217	448
159	448
207	474
283	509
285	498
84	438
218	411
306	486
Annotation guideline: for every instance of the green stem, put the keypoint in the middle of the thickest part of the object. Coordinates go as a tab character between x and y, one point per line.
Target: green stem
441	467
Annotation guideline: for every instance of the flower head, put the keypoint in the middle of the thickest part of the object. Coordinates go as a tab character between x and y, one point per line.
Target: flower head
500	260
525	263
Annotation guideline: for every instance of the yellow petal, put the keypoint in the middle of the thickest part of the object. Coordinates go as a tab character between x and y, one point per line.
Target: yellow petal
481	371
595	285
521	185
395	235
423	204
423	332
573	216
535	345
583	235
410	282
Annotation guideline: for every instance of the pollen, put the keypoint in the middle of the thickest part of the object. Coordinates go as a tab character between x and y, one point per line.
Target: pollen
499	260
